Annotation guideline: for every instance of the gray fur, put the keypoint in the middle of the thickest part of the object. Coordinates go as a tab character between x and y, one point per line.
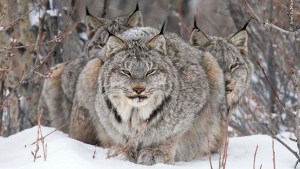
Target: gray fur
63	84
232	56
147	78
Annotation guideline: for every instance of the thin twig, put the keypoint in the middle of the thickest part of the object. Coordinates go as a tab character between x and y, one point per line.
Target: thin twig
94	154
273	154
266	77
58	40
20	17
254	158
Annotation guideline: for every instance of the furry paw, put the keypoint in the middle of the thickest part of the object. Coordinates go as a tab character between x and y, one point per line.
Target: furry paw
150	156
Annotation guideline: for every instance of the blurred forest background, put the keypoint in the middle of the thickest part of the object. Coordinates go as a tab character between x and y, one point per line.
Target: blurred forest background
37	34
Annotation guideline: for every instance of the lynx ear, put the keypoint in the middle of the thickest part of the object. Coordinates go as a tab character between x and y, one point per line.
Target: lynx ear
198	38
158	42
114	45
92	23
240	40
136	18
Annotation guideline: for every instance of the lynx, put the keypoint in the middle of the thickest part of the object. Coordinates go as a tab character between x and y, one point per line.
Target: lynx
58	91
149	93
232	56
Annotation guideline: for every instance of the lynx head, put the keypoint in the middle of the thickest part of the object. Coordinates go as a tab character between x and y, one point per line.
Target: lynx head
99	29
136	74
232	56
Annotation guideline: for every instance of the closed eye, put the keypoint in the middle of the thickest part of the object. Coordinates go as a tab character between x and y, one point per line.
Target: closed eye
126	72
234	66
150	72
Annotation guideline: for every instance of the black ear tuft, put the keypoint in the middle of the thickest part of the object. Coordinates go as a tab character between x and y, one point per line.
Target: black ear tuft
137	7
162	28
87	11
195	23
246	24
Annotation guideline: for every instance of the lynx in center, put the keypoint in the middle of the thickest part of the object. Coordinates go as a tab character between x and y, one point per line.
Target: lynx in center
147	86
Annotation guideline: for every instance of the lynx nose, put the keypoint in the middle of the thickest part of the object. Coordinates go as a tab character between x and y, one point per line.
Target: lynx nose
138	90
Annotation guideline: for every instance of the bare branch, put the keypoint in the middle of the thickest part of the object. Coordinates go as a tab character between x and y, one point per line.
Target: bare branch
25	14
268	24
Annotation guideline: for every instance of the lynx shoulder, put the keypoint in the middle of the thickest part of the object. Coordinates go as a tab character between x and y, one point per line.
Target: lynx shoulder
232	56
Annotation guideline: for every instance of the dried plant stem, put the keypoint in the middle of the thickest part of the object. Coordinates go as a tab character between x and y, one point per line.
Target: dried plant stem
273	154
94	154
266	77
254	158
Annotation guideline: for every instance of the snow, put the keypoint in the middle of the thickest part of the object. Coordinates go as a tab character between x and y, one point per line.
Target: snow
34	15
64	152
52	12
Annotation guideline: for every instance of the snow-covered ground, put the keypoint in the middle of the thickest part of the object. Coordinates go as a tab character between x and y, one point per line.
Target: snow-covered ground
66	153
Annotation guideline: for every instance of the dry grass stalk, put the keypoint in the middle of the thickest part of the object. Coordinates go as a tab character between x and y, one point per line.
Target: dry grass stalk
94	154
254	159
273	154
39	138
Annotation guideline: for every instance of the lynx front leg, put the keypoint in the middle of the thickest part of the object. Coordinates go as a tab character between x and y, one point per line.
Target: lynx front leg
152	155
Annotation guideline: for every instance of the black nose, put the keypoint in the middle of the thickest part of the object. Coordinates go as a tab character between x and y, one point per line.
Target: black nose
138	90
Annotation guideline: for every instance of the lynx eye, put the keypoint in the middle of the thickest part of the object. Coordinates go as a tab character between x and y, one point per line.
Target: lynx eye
126	72
234	66
150	72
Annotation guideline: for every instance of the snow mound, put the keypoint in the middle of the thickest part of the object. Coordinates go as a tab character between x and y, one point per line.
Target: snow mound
64	152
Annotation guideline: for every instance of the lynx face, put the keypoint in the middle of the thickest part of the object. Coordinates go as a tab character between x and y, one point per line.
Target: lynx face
231	54
137	80
99	29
